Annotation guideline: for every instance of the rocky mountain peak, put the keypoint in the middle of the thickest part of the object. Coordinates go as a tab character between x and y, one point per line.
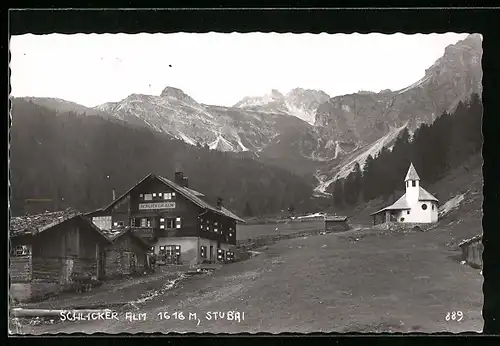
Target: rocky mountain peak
176	94
276	95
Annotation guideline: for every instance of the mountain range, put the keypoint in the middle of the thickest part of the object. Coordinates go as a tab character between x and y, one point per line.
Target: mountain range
305	131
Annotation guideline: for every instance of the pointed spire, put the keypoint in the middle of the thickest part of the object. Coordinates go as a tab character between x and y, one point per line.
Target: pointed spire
412	173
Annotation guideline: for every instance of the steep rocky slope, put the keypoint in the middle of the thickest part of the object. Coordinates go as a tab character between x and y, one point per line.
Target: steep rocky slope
299	102
306	131
221	128
359	120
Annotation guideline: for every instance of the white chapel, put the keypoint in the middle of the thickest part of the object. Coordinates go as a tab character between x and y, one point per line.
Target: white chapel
415	206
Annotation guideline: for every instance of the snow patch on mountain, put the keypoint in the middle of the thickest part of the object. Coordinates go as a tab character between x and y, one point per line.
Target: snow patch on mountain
338	150
300	103
221	144
414	85
301	113
186	138
243	148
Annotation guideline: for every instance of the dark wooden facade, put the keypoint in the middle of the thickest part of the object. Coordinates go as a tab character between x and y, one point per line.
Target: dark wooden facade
182	217
336	224
472	251
43	263
125	255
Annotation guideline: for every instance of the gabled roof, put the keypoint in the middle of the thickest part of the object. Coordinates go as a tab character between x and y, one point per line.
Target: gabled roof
470	240
423	195
34	224
412	173
400	204
335	218
194	192
113	234
192	195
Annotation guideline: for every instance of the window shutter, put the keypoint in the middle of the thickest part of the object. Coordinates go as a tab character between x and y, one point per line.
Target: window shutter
178	222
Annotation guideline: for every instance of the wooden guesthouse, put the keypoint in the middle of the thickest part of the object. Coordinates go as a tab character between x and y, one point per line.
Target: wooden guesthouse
182	225
47	249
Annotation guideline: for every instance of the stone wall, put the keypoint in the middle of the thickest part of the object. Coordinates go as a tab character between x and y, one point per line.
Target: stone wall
403	226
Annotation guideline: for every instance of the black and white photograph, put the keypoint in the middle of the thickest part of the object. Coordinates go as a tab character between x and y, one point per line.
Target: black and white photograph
245	183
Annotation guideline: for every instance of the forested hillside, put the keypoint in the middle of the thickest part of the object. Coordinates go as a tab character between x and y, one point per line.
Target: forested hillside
434	150
76	160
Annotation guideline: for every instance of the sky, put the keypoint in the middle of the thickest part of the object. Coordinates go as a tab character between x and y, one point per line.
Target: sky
217	68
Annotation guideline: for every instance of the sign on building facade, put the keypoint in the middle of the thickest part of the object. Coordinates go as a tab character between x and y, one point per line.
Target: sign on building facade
155	206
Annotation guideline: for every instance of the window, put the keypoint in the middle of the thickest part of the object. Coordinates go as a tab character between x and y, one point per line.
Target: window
154	194
432	206
168	195
413	183
167	223
132	222
118	224
178	222
424	206
148	197
141	196
402	219
408	212
160	194
170	223
220	255
203	252
20	250
145	222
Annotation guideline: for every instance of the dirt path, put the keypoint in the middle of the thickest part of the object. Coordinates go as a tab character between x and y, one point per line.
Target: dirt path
393	283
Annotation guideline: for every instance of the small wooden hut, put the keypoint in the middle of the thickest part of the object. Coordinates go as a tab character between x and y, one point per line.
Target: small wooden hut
472	251
335	223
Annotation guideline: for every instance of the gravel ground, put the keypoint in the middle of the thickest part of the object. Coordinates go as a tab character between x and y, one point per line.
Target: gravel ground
379	283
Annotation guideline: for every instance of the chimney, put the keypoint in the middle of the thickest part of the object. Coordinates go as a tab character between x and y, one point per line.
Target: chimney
219	202
179	178
114	194
185	182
